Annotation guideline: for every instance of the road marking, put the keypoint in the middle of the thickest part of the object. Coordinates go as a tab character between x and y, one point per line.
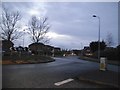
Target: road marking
63	82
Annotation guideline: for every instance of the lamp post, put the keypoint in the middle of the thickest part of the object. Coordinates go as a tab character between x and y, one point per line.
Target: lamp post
23	37
53	52
98	37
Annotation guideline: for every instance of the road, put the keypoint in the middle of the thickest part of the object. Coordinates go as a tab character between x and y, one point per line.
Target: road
45	75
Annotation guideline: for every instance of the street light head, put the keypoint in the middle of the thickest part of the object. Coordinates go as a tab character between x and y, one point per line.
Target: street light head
94	16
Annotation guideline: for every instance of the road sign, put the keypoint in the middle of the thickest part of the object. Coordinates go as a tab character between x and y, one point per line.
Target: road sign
103	63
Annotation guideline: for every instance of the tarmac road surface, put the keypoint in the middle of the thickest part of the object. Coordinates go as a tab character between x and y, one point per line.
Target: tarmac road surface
61	73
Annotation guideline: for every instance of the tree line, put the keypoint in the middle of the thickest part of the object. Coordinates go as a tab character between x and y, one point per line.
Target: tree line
111	53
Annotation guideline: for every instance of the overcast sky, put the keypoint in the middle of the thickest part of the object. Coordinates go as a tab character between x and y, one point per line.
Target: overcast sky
72	24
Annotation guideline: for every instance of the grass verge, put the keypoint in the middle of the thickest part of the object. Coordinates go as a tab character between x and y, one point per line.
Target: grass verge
26	59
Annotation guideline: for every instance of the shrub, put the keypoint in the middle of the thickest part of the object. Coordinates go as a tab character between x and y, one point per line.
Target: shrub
111	54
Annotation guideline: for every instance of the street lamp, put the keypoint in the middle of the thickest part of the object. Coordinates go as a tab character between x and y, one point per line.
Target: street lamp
23	36
98	37
53	52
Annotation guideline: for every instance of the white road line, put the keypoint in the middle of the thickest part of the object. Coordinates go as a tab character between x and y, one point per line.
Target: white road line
63	82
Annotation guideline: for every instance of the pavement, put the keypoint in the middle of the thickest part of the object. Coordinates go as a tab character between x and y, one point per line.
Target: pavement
108	77
113	62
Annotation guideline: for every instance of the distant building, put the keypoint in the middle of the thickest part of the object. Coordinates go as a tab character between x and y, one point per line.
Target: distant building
48	47
87	51
43	49
77	52
37	48
56	49
48	50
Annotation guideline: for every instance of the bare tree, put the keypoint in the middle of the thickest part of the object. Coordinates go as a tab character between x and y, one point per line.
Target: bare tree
9	24
109	40
38	28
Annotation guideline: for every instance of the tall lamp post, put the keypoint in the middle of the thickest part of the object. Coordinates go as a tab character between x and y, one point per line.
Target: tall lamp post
23	37
98	37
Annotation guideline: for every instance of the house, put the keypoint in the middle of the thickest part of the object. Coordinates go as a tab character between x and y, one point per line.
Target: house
57	49
44	49
37	48
86	51
77	52
48	50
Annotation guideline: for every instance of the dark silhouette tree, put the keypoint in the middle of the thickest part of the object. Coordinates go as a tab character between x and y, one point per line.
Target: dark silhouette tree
6	45
118	52
38	28
9	24
118	48
94	46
